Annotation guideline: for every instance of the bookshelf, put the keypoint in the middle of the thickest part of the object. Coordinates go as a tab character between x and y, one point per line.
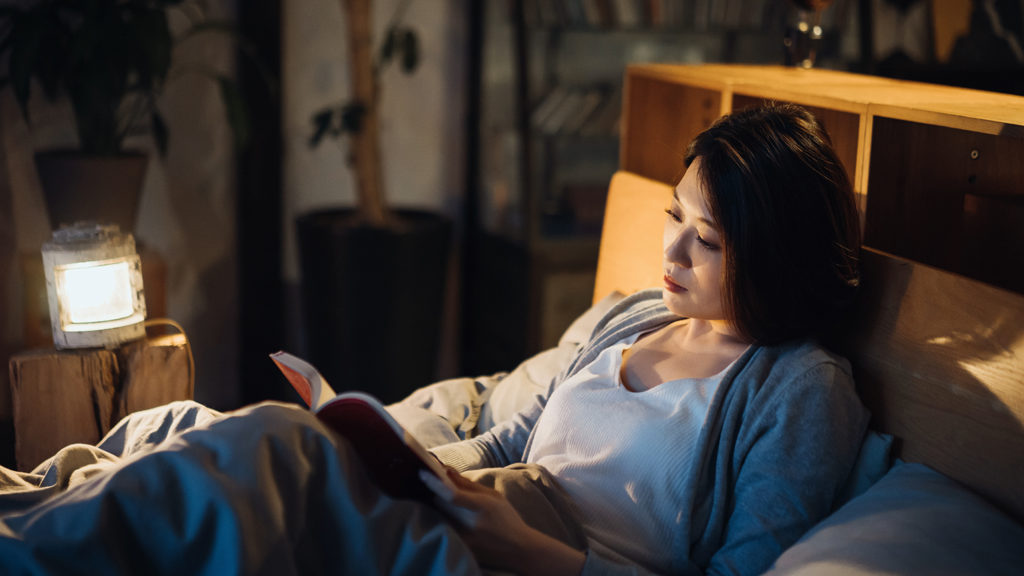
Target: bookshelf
937	170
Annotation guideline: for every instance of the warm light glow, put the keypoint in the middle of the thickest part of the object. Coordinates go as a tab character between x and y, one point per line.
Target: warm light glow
95	291
93	287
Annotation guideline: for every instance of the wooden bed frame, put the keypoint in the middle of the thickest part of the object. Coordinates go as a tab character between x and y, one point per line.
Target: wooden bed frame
938	358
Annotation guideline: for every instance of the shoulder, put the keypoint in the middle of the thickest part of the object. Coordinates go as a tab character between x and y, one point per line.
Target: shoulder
809	354
800	394
800	372
797	358
638	312
636	308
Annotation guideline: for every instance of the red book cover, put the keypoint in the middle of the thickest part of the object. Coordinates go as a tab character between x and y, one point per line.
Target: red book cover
393	458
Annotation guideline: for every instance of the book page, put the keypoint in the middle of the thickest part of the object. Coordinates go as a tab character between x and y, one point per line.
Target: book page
307	381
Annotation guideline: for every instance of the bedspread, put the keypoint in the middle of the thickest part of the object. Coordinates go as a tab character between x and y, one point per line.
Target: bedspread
185	490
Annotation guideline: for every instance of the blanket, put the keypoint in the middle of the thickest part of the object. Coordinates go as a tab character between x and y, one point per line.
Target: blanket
185	490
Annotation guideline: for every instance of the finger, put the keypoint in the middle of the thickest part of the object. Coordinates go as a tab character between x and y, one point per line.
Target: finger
474	498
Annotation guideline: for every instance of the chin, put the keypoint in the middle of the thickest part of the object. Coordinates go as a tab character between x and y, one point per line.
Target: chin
672	303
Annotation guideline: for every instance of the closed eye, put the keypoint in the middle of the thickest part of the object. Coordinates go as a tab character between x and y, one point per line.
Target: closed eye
700	240
705	244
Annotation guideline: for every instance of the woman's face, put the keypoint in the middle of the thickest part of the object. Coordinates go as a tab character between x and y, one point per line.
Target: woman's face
693	253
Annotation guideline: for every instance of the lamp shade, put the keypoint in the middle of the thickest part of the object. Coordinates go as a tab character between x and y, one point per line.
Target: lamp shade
94	287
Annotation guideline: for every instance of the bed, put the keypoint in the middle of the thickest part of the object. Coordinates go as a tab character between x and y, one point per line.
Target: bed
938	488
939	361
938	358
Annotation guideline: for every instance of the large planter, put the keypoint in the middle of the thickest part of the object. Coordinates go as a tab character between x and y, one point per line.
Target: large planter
80	187
372	299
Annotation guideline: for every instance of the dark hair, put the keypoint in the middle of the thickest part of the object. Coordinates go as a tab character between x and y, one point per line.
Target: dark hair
787	217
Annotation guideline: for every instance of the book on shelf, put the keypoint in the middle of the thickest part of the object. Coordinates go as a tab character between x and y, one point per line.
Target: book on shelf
396	462
551	101
605	120
628	13
687	15
587	111
589	102
554	123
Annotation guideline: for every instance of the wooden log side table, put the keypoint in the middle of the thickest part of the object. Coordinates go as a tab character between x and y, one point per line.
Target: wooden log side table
63	397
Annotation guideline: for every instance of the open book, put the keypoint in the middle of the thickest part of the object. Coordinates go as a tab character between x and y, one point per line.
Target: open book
398	464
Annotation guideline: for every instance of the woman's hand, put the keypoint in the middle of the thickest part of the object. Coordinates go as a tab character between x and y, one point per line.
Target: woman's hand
501	539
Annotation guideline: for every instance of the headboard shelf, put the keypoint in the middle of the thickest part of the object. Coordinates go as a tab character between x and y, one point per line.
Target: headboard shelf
937	169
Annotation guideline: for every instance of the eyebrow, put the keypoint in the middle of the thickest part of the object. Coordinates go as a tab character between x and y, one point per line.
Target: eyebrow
709	223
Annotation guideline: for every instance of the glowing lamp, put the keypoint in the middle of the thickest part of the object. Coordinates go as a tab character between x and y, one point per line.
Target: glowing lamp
94	287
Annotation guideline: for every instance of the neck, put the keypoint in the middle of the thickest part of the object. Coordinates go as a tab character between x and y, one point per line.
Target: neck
711	334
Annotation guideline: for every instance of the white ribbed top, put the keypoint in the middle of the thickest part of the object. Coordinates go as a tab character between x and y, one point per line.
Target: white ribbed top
621	455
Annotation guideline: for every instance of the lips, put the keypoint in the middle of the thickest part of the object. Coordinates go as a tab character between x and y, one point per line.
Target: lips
671	285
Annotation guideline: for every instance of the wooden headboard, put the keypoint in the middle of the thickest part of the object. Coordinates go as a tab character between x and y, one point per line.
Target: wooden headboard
938	358
634	218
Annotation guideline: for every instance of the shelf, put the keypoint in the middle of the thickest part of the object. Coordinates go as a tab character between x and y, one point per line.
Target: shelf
679	15
937	169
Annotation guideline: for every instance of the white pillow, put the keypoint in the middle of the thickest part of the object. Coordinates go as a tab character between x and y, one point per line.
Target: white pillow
912	521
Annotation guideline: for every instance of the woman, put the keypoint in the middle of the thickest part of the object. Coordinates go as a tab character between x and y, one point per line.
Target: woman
702	428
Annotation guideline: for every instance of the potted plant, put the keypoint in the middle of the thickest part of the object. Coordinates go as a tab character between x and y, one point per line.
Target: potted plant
110	59
373	277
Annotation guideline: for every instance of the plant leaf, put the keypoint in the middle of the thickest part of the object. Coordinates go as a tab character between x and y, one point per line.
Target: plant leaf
387	49
321	125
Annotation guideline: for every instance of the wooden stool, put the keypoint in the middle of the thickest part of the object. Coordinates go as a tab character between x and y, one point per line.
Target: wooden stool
63	397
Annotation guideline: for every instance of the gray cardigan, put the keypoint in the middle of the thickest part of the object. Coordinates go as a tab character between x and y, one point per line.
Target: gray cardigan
781	436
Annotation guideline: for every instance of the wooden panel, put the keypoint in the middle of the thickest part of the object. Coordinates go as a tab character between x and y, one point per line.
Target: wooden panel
634	220
993	239
76	396
941	196
659	121
939	361
60	398
156	371
719	75
963	108
975	110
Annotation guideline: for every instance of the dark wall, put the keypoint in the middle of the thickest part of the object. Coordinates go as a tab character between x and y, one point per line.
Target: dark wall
259	189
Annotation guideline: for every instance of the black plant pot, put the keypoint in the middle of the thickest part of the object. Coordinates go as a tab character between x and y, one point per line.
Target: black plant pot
104	189
372	299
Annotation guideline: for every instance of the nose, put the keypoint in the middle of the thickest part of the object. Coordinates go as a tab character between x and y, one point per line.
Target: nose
677	247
